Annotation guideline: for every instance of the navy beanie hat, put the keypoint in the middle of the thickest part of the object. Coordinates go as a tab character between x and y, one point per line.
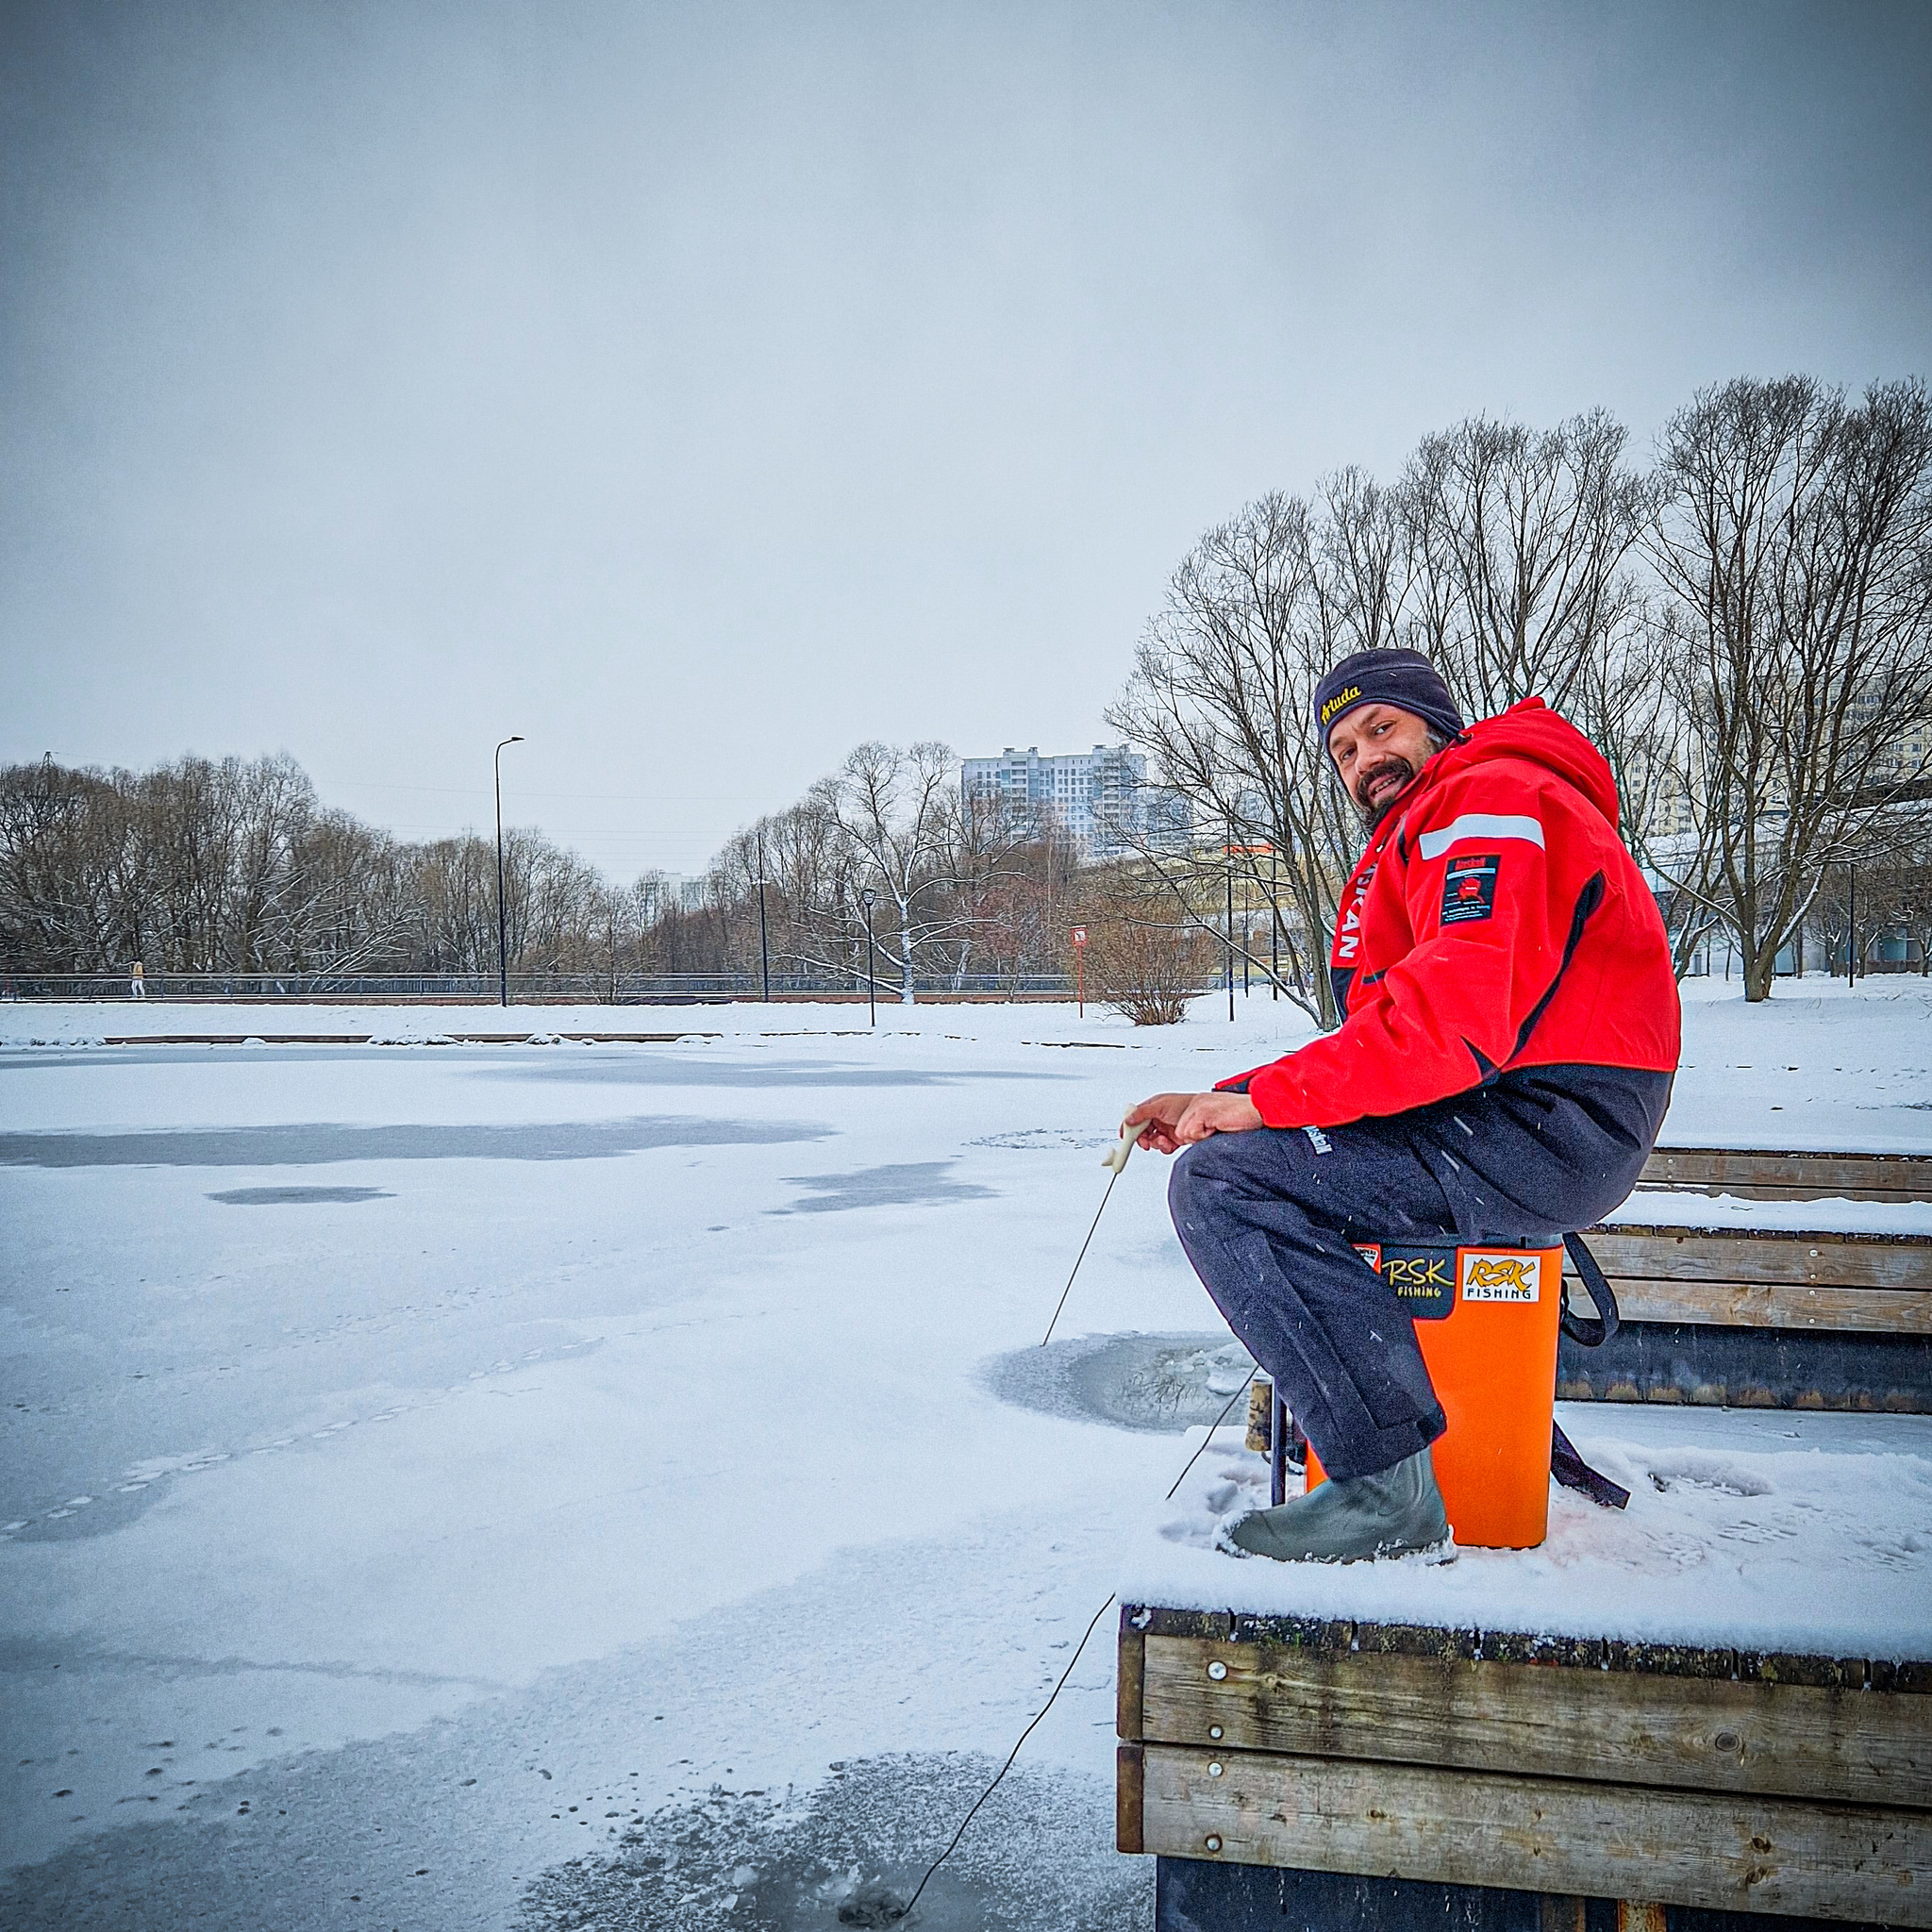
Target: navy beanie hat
1404	679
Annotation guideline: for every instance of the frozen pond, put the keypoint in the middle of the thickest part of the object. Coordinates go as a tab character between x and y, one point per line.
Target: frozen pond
392	1427
513	1485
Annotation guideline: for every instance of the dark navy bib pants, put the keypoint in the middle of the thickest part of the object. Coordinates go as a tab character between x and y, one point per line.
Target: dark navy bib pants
1268	1217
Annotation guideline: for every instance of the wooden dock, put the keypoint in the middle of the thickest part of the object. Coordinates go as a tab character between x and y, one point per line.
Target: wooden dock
1766	1317
1499	1781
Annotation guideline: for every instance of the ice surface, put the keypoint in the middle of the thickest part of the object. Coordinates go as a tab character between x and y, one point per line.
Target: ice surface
410	1416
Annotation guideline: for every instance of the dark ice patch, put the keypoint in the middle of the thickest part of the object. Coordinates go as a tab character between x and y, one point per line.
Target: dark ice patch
1469	888
909	1184
292	1145
646	1068
852	1851
297	1197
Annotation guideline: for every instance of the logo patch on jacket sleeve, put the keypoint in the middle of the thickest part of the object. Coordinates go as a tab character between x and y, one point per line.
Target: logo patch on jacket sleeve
1469	888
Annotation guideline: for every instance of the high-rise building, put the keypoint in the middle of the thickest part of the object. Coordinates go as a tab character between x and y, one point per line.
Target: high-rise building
1101	798
671	892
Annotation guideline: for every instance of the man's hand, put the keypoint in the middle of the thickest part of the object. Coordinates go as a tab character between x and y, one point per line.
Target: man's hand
1178	1120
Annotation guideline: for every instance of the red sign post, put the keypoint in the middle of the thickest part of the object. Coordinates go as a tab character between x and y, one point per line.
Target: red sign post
1080	966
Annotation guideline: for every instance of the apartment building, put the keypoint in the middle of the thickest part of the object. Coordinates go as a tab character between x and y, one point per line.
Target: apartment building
1101	798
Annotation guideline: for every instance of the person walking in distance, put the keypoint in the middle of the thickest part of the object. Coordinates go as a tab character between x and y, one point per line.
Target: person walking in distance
138	982
1510	1034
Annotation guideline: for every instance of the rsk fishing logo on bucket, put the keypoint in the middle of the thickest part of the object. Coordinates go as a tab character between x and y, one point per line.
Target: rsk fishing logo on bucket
1502	1277
1424	1278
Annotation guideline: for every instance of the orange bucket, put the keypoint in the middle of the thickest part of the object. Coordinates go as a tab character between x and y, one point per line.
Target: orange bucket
1486	1317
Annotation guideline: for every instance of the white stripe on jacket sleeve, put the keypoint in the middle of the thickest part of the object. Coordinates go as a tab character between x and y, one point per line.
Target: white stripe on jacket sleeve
1480	825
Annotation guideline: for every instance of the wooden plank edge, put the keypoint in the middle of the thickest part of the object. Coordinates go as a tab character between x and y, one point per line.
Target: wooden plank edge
1756	1237
1655	1716
1130	1683
1743	1394
1803	1308
1482	1645
1129	1798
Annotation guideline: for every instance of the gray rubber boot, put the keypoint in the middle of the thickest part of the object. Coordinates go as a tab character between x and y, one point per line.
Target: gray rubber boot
1391	1513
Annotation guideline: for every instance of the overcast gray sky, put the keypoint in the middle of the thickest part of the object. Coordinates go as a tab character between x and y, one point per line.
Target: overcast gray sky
700	389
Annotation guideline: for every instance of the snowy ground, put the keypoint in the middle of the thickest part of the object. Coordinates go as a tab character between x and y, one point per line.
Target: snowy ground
497	1486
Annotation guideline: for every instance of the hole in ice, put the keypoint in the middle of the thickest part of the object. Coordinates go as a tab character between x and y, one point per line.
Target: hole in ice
872	1904
1155	1382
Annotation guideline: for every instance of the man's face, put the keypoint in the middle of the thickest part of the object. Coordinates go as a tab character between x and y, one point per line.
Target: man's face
1378	749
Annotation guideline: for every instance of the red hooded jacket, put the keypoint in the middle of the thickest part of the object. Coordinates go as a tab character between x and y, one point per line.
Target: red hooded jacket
1495	922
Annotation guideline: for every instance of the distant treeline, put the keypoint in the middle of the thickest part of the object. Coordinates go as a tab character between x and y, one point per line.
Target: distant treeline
1743	625
236	866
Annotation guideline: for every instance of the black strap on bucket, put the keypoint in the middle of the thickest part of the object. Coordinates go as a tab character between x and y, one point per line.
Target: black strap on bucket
1580	1328
1566	1465
1574	1473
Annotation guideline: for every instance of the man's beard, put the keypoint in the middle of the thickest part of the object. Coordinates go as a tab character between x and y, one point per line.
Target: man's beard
1372	815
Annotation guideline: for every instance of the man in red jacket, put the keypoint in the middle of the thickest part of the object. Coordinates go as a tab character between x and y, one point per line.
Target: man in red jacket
1500	1073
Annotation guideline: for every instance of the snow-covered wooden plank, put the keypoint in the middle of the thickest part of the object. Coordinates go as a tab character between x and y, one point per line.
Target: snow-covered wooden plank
1783	1174
1718	1851
1623	1727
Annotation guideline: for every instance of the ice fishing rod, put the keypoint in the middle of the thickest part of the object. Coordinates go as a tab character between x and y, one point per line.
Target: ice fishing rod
1115	1157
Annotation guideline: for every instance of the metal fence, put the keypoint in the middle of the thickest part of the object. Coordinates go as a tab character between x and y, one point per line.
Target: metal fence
590	989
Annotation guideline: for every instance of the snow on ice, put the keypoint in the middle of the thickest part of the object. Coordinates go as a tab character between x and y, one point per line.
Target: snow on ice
405	1448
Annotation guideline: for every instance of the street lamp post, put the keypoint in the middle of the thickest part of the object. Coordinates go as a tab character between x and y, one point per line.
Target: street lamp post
1229	928
764	944
502	924
872	1007
1852	928
1274	923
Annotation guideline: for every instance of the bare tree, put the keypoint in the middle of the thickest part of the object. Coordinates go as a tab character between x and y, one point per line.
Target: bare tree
955	881
1221	699
1524	548
1881	892
1796	539
1011	856
1142	959
903	818
1519	539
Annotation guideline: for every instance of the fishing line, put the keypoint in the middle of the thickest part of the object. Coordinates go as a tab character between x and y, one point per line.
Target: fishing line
1102	1611
1209	1437
1010	1756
